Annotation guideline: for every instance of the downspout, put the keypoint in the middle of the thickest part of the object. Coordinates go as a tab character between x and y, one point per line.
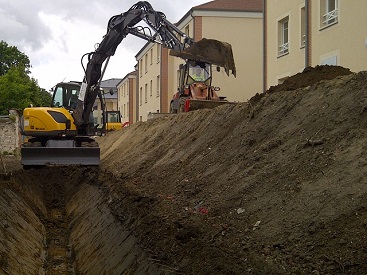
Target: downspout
264	47
137	93
307	34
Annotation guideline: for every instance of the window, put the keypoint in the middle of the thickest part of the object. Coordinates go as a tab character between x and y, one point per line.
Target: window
141	96
146	63
331	61
141	67
158	53
151	56
187	30
283	38
127	107
329	12
146	93
303	27
151	88
158	84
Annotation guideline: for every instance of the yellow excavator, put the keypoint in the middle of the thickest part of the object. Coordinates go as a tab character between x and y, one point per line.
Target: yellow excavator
63	134
113	122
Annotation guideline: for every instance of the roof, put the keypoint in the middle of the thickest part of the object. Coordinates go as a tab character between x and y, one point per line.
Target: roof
110	83
232	5
127	76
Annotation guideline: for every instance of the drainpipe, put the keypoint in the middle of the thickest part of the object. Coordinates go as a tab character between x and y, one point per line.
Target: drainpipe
307	34
264	47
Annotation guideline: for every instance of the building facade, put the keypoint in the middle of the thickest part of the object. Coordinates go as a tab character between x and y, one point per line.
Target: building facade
126	98
149	80
301	33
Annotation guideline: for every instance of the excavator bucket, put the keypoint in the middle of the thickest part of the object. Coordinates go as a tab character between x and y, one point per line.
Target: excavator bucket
210	51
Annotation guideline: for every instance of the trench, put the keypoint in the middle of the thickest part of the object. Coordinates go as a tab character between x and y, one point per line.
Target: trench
58	221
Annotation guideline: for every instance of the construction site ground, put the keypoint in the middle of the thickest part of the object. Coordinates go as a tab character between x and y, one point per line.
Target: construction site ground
275	185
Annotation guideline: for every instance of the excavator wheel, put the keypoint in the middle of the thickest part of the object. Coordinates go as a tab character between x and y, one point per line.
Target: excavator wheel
181	108
172	110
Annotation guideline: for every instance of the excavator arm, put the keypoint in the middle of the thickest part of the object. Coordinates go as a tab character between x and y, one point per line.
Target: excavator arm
158	30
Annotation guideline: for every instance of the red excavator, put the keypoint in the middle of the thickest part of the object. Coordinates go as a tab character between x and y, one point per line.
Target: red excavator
195	90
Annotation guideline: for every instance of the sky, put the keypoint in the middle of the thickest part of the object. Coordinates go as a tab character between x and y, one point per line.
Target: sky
56	34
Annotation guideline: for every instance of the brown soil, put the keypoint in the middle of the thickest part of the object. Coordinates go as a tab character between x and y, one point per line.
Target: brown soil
276	185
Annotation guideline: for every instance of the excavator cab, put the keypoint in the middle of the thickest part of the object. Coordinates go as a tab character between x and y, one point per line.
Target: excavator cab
66	95
113	120
198	72
195	90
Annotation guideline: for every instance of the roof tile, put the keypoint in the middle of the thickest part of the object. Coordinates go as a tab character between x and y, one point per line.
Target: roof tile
232	5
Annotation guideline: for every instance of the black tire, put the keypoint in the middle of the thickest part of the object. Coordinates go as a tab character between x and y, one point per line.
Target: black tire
172	110
181	108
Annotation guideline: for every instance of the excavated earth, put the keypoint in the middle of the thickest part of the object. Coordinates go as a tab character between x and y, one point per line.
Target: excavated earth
275	185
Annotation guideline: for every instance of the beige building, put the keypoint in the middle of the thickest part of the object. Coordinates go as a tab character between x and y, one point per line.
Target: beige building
149	81
237	22
301	33
126	98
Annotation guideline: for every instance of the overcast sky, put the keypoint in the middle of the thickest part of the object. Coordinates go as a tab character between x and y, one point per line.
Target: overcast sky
55	34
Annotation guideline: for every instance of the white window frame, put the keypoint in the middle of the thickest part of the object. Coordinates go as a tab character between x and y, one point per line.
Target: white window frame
329	13
283	47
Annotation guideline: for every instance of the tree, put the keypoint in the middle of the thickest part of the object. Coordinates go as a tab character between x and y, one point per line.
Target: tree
17	89
10	56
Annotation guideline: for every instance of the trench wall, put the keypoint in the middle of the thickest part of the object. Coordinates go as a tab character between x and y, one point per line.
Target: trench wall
100	242
103	245
22	236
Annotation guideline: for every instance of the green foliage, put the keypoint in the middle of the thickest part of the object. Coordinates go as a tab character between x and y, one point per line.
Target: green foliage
17	89
10	56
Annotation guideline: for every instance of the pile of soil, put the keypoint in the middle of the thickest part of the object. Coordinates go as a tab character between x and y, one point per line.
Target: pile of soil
310	76
277	185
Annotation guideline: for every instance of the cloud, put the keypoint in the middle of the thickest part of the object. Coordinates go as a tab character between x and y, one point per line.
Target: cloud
55	34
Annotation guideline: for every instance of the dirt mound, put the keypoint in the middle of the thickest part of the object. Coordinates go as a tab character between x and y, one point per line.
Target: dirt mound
310	76
277	186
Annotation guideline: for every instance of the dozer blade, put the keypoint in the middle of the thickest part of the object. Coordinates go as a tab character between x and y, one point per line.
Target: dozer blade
33	156
210	51
194	104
